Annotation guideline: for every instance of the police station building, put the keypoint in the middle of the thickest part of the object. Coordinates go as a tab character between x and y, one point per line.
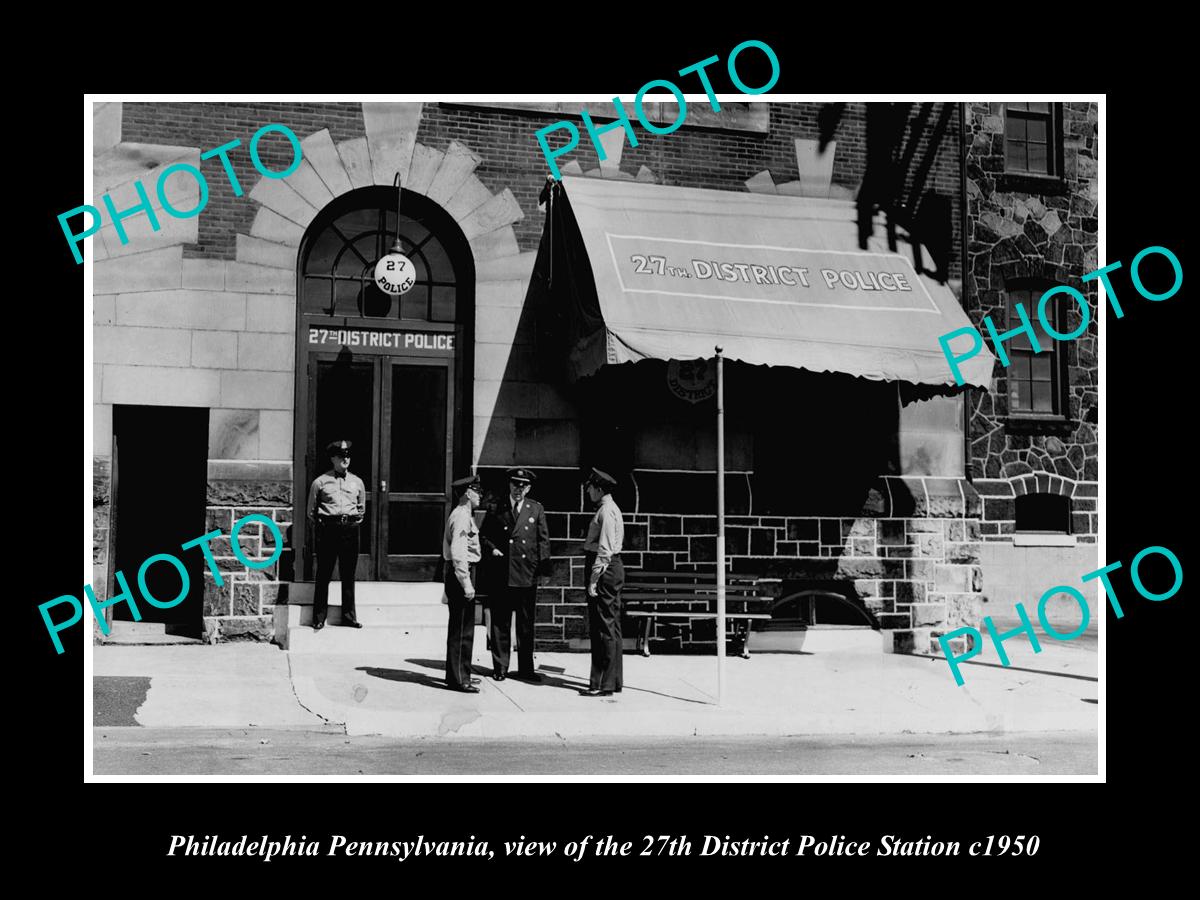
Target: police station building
572	327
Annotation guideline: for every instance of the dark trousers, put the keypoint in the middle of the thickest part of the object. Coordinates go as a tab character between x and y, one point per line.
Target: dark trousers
523	601
336	543
604	626
460	631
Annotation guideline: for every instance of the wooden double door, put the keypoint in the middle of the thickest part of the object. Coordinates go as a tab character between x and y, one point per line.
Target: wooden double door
398	411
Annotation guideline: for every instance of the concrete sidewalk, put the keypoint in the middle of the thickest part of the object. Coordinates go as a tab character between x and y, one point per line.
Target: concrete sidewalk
856	690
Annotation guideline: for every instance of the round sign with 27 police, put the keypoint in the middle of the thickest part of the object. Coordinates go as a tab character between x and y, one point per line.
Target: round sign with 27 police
395	274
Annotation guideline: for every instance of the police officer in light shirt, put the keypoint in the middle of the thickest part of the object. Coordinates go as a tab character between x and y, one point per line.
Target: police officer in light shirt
337	502
460	550
605	577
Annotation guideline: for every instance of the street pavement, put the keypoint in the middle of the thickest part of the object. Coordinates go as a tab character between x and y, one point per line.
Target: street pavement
834	693
330	752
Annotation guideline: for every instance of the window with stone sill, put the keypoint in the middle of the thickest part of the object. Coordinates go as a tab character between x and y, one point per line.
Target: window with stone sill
1036	389
1033	139
1042	514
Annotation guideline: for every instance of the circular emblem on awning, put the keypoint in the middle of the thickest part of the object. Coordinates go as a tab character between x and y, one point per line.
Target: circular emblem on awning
395	274
692	380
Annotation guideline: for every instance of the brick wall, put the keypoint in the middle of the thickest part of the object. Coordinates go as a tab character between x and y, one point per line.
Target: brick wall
209	125
510	154
1018	228
698	158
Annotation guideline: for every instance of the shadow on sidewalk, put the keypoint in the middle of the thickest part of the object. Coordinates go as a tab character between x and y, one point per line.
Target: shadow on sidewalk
404	675
996	665
483	672
547	680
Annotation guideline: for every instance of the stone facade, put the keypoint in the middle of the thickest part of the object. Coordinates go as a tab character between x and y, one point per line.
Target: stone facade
202	313
1041	228
101	517
244	605
910	561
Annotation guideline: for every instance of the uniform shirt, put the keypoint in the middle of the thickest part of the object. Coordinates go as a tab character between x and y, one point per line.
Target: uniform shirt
460	544
337	495
606	534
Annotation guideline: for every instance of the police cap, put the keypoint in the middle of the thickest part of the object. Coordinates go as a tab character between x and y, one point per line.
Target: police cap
602	480
469	482
338	448
521	475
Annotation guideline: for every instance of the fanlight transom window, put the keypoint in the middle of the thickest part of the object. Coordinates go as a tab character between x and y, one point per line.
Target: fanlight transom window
338	269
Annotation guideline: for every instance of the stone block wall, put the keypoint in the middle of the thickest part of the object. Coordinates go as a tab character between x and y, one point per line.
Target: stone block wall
999	504
241	607
101	518
244	605
913	568
1022	227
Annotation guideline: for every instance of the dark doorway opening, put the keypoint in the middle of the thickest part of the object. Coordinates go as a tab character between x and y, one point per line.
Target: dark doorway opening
160	477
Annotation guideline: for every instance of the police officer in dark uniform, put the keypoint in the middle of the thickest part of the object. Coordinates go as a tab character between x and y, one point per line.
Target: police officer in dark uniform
337	502
516	540
461	552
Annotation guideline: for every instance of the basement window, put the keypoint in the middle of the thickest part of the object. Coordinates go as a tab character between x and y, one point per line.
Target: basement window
1043	520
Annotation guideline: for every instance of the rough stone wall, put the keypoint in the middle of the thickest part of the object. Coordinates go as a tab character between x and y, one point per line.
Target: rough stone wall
244	605
1034	227
101	519
910	559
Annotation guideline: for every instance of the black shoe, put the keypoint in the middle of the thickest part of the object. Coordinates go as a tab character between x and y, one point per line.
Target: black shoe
351	624
317	626
498	676
592	692
465	689
531	677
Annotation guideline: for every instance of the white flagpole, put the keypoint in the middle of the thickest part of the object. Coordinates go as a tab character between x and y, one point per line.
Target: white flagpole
720	529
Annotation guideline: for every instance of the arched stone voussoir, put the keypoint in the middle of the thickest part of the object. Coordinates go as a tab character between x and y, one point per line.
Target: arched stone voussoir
270	226
471	195
308	184
391	136
356	159
497	244
459	162
425	164
503	209
274	194
318	148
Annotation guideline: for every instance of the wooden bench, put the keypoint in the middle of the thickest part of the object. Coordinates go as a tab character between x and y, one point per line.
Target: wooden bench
686	591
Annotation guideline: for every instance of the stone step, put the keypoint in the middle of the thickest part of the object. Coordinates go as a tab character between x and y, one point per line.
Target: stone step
137	633
372	613
380	593
816	639
425	640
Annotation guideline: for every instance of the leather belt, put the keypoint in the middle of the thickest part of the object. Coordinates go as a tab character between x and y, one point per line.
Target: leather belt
338	520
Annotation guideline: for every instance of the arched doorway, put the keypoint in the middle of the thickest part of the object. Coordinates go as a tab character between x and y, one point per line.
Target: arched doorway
390	374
